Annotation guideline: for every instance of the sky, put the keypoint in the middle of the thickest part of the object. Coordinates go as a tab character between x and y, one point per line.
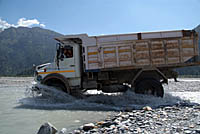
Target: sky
98	17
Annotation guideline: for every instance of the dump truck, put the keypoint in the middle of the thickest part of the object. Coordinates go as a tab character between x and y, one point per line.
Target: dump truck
110	63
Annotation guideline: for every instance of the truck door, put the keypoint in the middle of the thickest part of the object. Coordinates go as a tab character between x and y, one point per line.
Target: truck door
67	62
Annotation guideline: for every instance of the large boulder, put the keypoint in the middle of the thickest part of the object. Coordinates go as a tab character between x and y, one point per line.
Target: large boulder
47	128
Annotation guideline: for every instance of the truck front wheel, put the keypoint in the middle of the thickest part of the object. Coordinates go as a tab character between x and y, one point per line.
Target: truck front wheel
57	84
58	81
149	87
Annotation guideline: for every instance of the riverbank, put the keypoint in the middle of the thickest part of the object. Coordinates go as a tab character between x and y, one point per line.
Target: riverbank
183	119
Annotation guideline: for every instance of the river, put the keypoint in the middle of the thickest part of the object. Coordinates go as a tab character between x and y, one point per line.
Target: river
22	113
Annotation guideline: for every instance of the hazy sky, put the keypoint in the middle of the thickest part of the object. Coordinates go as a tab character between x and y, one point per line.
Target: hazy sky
101	16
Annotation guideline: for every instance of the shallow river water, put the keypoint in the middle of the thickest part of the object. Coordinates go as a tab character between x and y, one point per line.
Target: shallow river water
21	113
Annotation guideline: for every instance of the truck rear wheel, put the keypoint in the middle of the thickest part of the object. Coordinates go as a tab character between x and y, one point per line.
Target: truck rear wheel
149	87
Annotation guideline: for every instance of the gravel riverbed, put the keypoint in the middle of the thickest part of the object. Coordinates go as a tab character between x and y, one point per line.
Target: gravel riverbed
169	120
179	118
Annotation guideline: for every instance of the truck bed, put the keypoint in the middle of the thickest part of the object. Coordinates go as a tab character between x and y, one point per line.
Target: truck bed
158	49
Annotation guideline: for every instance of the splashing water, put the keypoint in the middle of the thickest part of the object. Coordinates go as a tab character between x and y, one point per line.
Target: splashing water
52	98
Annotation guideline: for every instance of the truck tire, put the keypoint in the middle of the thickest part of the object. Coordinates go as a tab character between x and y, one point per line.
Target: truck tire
149	87
58	81
58	86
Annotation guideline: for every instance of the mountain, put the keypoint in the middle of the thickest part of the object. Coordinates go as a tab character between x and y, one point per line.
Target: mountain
22	47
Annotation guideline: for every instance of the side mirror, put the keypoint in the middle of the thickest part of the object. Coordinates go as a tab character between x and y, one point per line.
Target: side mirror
58	46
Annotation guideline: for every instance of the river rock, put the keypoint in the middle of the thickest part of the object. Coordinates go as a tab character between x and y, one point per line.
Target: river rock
47	128
147	108
197	131
187	132
77	132
63	131
138	130
88	126
107	124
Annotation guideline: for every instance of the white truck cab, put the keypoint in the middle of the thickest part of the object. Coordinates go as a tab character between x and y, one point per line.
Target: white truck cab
66	63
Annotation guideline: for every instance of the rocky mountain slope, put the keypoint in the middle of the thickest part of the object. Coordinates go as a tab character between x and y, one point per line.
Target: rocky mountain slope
22	47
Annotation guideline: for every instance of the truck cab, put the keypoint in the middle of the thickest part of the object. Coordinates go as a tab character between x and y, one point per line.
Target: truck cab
65	70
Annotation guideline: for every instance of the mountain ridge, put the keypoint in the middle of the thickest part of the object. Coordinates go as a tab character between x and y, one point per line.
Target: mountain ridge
22	47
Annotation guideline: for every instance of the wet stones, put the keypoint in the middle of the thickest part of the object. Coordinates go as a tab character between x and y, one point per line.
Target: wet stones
174	119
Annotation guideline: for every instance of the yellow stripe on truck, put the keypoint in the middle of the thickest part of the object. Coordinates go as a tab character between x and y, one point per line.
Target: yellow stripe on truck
105	52
92	53
64	71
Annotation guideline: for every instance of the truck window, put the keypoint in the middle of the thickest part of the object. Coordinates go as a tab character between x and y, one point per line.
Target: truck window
68	52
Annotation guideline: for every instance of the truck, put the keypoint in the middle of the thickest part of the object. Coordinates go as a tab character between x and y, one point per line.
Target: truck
114	63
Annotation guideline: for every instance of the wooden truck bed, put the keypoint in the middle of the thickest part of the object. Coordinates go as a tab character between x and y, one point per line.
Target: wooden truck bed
158	49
